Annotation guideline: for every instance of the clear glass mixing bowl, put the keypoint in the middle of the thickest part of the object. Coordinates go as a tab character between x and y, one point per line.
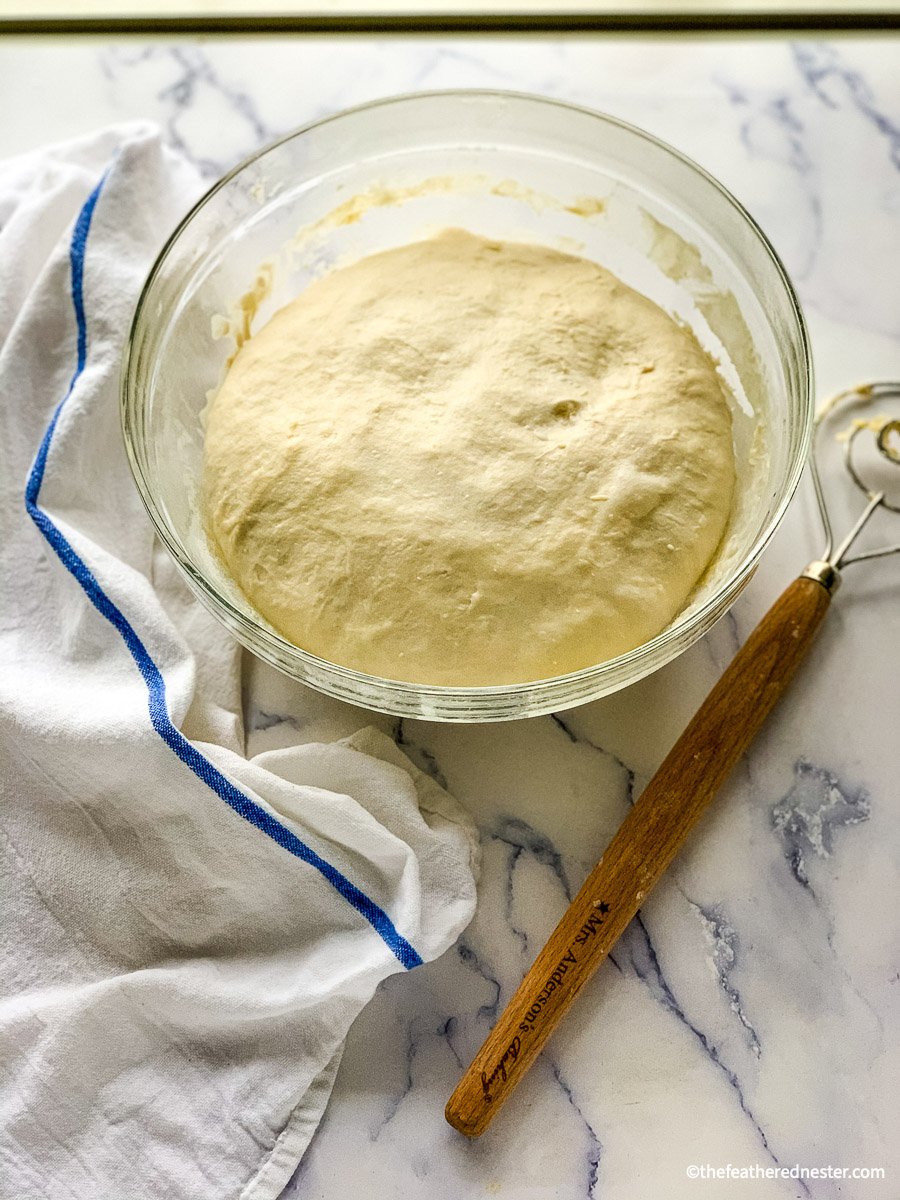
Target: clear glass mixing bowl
504	165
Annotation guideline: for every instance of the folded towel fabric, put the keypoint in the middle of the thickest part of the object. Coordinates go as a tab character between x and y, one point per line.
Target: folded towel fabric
187	934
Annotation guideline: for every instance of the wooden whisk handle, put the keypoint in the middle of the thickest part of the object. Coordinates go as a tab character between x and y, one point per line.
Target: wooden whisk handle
643	847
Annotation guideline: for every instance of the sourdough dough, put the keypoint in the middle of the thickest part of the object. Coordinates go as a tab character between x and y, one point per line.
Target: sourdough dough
468	462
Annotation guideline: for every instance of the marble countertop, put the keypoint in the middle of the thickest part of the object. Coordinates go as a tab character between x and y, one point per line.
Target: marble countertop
750	1014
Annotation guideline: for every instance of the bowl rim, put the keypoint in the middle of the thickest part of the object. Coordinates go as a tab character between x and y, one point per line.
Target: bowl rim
700	619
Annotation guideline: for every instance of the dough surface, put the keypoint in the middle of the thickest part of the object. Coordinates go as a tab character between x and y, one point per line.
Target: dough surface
468	462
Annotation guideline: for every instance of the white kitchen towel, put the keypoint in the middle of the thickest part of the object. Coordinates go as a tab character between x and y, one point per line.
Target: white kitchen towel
186	934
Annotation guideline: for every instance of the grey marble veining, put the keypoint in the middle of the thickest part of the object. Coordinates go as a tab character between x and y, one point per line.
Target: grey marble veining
750	1013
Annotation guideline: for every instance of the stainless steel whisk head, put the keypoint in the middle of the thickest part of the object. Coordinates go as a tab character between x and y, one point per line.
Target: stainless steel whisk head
885	432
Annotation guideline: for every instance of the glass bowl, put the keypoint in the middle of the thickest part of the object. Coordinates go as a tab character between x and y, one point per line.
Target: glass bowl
503	165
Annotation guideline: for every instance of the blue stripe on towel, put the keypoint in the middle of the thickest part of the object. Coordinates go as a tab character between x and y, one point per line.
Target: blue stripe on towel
156	686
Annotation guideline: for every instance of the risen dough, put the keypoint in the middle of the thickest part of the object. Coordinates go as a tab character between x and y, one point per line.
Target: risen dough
468	462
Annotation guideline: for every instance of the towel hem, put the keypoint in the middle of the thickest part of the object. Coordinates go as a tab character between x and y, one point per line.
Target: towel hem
274	1174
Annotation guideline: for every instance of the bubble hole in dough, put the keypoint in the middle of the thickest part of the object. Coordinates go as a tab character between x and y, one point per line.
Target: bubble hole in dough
468	462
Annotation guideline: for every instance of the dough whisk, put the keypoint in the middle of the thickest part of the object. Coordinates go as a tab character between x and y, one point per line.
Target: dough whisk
690	776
